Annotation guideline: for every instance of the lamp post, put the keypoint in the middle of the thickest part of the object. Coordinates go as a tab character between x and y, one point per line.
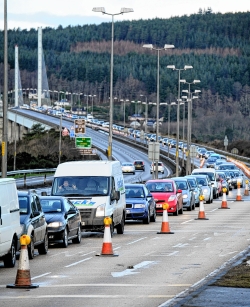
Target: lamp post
87	104
189	100
102	10
92	96
146	112
150	46
124	113
178	113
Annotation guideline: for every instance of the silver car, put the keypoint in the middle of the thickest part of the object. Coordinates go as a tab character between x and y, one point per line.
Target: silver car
206	186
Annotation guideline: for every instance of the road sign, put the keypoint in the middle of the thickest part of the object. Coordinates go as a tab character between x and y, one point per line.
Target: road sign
192	150
83	142
80	126
88	151
154	151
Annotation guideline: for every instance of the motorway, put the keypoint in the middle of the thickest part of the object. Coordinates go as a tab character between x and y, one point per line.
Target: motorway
150	270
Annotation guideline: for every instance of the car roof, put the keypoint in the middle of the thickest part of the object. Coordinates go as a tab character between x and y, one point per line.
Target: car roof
159	180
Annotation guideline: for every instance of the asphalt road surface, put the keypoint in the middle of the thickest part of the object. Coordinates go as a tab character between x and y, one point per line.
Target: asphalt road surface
150	270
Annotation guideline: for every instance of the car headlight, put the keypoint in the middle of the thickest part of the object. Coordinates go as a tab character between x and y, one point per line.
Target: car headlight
100	210
185	196
137	206
172	197
55	224
195	192
205	191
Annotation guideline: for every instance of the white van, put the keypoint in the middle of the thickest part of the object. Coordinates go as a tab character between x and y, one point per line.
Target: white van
10	228
214	177
96	188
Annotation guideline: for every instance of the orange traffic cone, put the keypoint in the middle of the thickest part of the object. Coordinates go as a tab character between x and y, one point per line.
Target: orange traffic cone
246	192
238	196
224	199
107	249
201	215
165	225
23	280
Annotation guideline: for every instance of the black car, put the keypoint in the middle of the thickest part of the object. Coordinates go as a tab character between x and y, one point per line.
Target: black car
32	219
139	165
63	219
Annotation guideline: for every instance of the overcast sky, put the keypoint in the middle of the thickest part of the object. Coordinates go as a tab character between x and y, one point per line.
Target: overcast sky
26	14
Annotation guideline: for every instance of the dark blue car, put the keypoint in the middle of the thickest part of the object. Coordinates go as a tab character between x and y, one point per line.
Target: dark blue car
140	204
63	220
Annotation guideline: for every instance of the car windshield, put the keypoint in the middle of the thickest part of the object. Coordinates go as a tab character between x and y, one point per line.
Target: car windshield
182	185
81	185
134	192
192	182
210	175
160	186
51	205
202	181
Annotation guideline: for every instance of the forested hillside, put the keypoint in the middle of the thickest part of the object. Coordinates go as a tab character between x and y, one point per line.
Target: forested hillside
216	45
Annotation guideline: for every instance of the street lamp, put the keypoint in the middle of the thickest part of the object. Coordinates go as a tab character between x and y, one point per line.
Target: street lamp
92	96
189	100
146	112
87	104
102	10
124	103
178	113
150	46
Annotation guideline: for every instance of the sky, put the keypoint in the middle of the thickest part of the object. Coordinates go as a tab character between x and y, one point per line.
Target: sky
26	14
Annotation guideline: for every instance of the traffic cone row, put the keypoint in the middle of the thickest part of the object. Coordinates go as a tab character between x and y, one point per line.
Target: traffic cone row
165	229
201	214
23	279
224	199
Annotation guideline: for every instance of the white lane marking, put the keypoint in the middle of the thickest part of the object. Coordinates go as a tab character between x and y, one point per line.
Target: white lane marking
222	255
136	241
213	210
40	275
191	239
187	221
209	238
87	253
75	263
174	253
117	248
181	245
132	271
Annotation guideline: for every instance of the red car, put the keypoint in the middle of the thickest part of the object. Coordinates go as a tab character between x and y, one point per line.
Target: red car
165	191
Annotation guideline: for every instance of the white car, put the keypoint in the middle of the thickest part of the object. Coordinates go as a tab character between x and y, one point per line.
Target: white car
128	167
160	167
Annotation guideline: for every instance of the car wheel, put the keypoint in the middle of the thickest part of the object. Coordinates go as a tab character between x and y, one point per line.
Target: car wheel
147	219
194	206
153	217
120	227
10	259
78	239
65	238
111	227
31	248
181	210
43	248
176	213
190	207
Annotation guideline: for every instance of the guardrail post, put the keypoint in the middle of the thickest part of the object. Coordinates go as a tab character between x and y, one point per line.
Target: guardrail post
44	180
24	180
